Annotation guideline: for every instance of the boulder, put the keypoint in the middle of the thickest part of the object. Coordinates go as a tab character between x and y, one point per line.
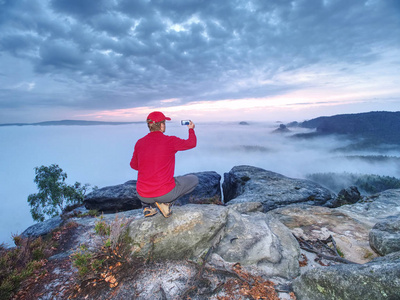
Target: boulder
377	279
384	237
42	228
261	244
273	190
349	195
208	191
115	198
189	232
375	208
316	222
124	197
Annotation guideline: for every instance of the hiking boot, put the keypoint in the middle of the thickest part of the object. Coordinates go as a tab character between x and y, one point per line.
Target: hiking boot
149	211
165	208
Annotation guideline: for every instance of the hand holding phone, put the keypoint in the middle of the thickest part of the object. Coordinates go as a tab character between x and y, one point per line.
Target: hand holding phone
185	122
189	123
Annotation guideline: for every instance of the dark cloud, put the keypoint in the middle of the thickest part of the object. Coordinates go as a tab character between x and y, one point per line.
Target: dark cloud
59	55
123	53
81	8
112	23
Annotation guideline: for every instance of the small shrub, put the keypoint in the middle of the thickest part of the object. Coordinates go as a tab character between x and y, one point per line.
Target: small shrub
93	213
17	239
71	225
85	261
116	229
90	213
96	263
20	262
102	228
339	251
368	254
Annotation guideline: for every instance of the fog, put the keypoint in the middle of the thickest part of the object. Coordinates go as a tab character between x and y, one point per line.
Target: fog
100	156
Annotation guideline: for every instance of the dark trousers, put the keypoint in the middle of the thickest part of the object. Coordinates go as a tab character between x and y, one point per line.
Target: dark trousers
184	185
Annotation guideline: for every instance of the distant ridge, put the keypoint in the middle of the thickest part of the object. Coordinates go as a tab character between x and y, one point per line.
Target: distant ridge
68	123
381	127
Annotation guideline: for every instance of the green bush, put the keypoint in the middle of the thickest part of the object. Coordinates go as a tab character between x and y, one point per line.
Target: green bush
20	262
91	263
101	227
84	260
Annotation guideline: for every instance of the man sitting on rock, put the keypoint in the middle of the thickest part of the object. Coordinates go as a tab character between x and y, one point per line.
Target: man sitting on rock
154	159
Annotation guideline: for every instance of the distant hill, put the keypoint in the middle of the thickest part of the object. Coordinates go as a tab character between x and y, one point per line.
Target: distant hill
281	129
68	123
373	127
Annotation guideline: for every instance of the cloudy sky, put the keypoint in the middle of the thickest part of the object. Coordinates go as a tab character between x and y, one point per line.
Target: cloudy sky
116	60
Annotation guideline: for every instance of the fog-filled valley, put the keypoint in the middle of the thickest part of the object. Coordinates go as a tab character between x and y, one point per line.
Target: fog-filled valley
100	156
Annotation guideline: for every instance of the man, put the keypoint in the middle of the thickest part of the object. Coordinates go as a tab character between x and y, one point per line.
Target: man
154	159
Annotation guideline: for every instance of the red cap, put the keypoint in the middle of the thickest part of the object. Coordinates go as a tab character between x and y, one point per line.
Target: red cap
157	116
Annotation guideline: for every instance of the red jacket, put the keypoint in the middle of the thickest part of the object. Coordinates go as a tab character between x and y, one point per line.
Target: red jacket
154	158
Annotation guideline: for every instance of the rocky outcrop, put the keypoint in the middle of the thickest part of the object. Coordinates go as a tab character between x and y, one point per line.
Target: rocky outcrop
315	222
261	244
124	197
42	228
349	195
273	190
114	198
201	245
384	237
377	279
189	232
350	226
376	208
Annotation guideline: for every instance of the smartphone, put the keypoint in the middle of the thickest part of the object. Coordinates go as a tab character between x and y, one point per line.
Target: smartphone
185	122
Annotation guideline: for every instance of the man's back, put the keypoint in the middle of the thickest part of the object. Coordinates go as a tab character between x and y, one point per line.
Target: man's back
154	158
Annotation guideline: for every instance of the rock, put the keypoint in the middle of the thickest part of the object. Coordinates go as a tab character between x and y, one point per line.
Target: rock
349	195
115	198
315	222
237	234
208	191
161	280
273	190
42	228
189	232
377	279
248	207
376	208
243	123
261	244
124	197
384	237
